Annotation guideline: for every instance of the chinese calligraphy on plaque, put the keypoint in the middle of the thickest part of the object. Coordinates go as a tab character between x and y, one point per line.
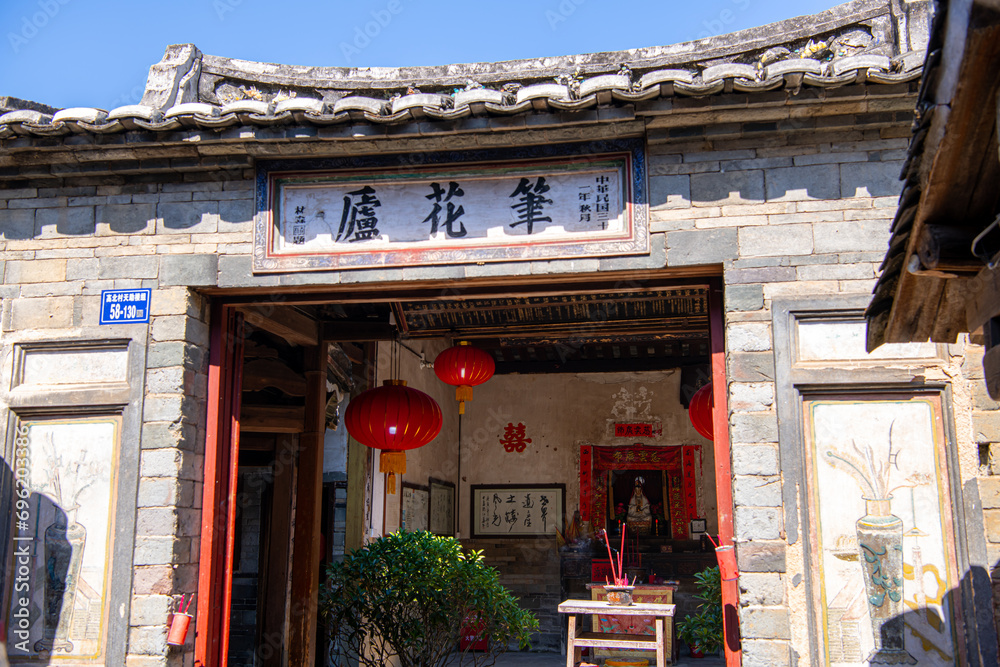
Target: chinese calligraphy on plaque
517	511
572	207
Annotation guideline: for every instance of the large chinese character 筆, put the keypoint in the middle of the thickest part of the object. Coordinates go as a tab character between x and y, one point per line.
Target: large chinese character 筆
358	219
531	202
452	213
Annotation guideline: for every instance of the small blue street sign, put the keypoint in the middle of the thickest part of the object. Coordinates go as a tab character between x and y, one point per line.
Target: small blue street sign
124	306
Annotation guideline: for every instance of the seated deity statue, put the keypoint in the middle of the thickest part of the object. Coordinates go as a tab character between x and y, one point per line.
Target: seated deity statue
640	514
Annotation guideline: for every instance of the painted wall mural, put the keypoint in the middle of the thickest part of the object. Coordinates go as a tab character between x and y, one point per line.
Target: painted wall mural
64	515
882	531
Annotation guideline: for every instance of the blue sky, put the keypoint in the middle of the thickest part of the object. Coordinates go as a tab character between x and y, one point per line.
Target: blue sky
97	52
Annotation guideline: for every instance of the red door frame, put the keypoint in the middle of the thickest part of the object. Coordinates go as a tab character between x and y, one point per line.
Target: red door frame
222	456
723	467
225	375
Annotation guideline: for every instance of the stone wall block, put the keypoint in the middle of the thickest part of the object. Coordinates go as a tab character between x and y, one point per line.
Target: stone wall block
669	192
168	380
17	224
150	610
871	179
761	523
156	522
177	353
760	556
986	426
159	550
708	246
765	623
761	588
766	653
744	298
780	240
129	266
175	301
114	219
989	492
162	463
82	269
42	313
725	188
851	236
757	491
753	427
755	460
991	518
180	328
749	337
64	221
801	182
186	217
751	366
750	396
189	270
158	492
35	271
148	640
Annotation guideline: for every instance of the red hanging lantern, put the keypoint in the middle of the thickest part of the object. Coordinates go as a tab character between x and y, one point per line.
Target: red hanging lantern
393	418
700	411
465	367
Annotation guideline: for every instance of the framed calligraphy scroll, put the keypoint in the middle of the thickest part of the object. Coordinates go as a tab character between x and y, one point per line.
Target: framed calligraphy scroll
441	507
414	507
517	510
495	205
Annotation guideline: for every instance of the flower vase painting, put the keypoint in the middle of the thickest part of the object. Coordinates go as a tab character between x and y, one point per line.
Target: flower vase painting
883	534
63	538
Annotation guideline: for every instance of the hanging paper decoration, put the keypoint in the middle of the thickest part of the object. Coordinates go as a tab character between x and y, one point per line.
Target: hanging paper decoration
700	411
393	418
465	367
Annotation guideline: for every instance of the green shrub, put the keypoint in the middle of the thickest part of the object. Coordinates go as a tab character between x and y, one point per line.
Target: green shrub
704	629
409	595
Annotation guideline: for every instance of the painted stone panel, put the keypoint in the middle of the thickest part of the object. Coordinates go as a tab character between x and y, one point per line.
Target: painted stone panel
64	514
882	537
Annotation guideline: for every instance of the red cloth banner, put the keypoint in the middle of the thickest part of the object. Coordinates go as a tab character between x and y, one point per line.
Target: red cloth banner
586	469
690	483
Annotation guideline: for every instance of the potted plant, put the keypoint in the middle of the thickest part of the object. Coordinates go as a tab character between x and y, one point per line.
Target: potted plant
702	632
414	597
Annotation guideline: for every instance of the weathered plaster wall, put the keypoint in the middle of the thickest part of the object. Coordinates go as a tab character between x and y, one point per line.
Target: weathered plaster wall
561	412
438	458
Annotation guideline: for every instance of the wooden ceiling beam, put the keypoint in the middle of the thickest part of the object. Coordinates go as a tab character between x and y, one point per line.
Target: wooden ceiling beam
285	322
338	331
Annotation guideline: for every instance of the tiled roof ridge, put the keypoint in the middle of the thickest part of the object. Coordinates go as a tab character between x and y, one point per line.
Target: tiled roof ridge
190	90
689	55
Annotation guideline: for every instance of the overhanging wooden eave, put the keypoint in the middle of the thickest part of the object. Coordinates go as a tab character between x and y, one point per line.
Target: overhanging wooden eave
958	178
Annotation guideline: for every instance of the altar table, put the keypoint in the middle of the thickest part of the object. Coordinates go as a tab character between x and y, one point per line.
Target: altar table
576	641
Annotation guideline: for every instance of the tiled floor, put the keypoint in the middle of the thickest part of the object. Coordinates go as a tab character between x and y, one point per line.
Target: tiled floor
555	660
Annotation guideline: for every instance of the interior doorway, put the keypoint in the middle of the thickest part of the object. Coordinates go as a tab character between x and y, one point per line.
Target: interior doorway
569	351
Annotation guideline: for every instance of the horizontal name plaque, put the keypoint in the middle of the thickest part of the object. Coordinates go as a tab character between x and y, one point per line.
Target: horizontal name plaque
536	209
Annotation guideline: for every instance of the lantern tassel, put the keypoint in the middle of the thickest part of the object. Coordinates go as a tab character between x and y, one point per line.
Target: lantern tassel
463	393
392	462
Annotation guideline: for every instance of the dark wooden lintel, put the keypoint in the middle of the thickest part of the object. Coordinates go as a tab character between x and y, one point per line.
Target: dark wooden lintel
284	322
272	419
336	331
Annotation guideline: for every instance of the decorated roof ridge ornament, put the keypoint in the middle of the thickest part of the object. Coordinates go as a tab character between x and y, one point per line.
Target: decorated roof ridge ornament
393	418
465	367
700	411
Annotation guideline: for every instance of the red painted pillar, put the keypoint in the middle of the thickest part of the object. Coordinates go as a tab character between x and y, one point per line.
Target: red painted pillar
723	468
